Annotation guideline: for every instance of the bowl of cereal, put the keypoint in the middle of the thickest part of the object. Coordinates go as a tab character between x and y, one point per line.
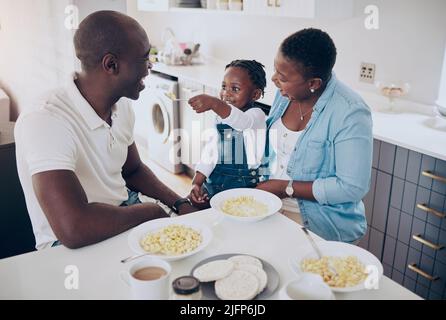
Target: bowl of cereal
247	205
356	268
169	239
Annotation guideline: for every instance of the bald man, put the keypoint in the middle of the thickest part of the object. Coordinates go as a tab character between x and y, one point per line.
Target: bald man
77	161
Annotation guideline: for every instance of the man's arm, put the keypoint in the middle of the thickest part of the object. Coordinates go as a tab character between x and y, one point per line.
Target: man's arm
77	223
140	178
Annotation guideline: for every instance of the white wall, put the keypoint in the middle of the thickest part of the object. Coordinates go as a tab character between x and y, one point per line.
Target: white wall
89	6
408	46
36	50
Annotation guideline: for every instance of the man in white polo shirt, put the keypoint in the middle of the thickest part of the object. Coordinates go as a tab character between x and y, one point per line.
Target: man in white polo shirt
76	157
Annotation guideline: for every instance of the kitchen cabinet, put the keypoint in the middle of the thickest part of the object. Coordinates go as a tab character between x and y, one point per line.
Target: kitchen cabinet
300	8
154	5
405	211
209	117
191	124
309	9
261	7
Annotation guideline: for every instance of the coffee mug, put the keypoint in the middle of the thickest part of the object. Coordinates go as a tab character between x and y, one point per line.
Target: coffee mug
148	279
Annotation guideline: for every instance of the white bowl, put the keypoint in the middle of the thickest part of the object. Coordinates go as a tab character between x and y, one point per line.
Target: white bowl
308	286
341	249
272	201
138	233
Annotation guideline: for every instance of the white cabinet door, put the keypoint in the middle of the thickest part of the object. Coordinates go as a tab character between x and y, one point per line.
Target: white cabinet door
314	8
191	124
296	8
260	7
209	117
335	9
154	5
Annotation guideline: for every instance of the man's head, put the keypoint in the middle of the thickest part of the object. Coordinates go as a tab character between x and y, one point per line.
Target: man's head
114	48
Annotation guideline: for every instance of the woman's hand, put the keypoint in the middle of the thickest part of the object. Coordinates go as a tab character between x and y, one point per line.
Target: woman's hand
274	186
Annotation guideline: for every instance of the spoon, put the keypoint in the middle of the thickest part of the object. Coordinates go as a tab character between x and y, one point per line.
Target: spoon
173	97
316	248
313	243
131	258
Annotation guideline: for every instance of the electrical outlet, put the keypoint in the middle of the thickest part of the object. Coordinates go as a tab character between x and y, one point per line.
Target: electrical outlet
367	72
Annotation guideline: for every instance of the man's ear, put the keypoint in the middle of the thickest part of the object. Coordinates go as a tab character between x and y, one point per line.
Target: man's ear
257	94
110	64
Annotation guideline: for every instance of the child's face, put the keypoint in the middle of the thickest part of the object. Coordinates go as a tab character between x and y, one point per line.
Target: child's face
237	88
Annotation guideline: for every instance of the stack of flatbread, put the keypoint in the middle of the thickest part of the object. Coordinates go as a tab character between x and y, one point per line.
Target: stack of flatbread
238	278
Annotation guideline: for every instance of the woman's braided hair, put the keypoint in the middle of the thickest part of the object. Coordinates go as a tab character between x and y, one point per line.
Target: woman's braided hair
255	70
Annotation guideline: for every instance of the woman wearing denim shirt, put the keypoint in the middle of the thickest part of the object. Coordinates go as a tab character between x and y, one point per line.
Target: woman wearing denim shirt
326	169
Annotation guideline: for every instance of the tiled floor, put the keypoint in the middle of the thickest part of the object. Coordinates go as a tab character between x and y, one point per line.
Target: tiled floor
180	183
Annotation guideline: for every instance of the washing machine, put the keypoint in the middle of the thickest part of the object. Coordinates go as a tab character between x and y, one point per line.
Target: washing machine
157	122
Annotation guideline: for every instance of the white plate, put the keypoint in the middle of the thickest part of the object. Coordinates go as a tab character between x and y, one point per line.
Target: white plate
339	249
272	201
208	288
139	232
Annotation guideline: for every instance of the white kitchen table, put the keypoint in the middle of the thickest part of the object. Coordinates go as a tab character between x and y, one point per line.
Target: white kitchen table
41	275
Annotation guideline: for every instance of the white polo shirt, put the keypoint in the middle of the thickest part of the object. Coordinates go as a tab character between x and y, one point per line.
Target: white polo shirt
65	133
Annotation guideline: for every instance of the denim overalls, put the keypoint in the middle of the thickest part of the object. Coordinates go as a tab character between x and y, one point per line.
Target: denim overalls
232	169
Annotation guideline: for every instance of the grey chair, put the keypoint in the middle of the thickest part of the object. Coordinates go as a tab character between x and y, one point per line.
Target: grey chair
16	234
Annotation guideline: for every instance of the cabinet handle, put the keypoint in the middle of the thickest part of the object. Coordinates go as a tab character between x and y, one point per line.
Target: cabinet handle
414	268
429	174
434	246
424	207
278	3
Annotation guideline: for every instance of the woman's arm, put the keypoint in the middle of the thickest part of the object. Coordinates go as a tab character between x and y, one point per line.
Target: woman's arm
302	190
353	148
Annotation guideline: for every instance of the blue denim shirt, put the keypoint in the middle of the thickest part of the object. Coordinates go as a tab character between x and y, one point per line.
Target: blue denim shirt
334	151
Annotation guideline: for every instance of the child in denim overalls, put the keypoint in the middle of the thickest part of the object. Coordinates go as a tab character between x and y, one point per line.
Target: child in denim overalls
232	156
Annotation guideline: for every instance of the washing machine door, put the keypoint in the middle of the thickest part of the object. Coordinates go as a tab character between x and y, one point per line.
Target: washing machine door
160	126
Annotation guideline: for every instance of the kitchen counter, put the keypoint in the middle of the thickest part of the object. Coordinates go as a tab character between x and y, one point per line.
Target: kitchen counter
409	125
42	275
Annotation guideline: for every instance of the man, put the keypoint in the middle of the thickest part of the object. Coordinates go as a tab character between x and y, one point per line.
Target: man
76	156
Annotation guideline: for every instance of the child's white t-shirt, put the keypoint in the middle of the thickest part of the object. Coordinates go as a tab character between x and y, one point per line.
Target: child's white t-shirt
252	123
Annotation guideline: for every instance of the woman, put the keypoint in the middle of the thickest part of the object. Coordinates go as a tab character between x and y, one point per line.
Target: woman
320	139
